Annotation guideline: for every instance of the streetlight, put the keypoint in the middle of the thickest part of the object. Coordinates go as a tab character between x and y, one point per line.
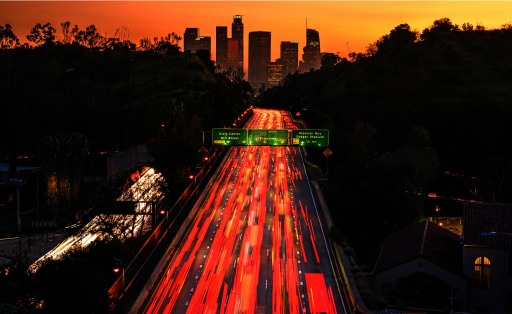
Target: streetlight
119	268
193	177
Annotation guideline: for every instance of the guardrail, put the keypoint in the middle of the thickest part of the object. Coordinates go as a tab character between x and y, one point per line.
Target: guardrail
341	261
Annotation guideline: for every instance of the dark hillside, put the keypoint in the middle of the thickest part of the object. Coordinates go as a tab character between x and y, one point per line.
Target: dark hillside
401	114
116	98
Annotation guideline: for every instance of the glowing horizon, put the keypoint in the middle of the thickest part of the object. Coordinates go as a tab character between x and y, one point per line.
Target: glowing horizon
344	26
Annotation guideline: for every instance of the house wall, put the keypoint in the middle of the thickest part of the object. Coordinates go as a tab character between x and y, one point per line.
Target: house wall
387	279
494	299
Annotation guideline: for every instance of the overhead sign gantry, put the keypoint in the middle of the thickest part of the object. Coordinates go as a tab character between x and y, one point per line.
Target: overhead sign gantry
271	137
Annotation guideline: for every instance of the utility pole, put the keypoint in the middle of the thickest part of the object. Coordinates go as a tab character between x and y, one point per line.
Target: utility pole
17	182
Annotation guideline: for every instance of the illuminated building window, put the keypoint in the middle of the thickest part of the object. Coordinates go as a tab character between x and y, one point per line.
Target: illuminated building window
482	273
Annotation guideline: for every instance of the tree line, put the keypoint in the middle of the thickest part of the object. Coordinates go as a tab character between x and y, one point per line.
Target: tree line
417	112
72	100
69	102
90	37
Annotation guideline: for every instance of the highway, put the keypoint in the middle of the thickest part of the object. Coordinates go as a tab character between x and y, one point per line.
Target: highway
145	189
256	244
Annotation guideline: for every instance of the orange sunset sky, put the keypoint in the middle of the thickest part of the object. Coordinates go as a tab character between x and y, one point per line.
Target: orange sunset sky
343	25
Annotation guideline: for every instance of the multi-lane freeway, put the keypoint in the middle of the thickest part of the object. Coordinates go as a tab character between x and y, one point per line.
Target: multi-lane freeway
256	243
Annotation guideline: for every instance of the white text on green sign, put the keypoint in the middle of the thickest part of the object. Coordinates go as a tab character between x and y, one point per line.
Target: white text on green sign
310	137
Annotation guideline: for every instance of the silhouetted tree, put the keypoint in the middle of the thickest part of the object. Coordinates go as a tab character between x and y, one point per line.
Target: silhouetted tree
168	44
443	25
64	155
116	44
66	33
467	27
91	37
421	158
329	60
506	26
205	56
7	38
145	44
42	34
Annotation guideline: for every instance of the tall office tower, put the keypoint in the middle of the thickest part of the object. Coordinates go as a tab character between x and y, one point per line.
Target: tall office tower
221	47
189	39
311	56
237	32
274	73
259	57
203	42
289	57
233	55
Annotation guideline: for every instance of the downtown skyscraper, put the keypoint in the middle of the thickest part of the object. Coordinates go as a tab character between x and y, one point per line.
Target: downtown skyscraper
230	50
189	38
289	57
311	56
221	47
237	33
259	58
193	42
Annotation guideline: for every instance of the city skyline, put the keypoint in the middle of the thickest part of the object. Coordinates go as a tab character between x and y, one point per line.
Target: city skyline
344	26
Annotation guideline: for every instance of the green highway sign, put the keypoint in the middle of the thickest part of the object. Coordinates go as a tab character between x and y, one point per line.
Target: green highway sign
229	136
310	137
271	137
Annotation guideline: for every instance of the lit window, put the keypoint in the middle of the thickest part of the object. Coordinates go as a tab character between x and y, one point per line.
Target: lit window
482	274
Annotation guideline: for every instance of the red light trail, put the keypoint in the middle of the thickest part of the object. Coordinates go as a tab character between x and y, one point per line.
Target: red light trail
253	244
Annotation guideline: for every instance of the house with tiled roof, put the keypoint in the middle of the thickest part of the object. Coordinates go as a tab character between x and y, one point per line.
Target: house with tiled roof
487	236
423	248
477	266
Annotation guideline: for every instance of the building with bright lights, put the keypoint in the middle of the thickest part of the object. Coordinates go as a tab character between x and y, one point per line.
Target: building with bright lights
274	73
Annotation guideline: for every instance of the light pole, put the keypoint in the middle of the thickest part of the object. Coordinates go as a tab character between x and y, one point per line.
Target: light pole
193	177
327	152
119	267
